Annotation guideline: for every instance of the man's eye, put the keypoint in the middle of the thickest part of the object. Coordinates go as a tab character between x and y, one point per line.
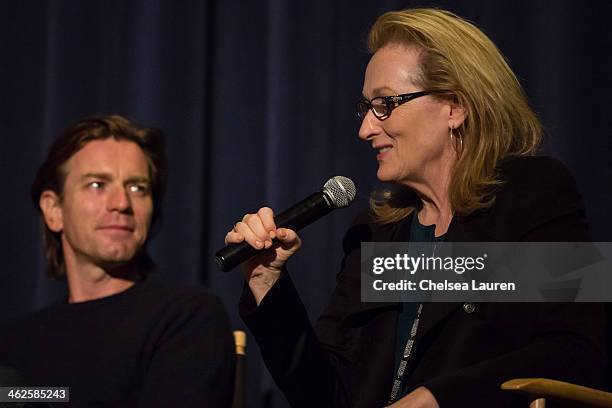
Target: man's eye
96	185
138	188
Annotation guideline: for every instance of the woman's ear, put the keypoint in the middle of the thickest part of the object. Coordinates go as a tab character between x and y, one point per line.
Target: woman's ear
51	208
457	113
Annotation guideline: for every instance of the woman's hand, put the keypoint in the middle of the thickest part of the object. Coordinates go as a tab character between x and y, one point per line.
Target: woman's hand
419	398
258	230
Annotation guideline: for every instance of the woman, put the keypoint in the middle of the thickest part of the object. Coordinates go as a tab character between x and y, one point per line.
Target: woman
453	131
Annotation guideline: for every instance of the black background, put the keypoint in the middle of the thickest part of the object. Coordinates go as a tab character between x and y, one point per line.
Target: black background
257	100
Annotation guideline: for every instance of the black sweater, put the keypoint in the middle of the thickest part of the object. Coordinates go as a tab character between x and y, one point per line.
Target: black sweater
152	345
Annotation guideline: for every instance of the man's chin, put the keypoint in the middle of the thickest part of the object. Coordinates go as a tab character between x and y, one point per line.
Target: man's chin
116	259
122	268
115	264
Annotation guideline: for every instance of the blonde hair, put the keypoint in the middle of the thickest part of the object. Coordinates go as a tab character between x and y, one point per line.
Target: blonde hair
461	62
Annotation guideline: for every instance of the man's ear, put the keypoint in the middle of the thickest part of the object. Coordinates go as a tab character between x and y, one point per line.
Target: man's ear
457	114
50	206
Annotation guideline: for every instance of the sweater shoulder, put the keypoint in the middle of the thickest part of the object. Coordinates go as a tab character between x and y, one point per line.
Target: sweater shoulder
538	184
170	296
153	296
529	170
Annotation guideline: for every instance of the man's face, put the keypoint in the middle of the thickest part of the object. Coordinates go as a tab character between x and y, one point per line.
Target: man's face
106	209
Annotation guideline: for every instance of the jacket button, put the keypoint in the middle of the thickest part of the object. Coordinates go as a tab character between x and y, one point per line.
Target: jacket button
469	307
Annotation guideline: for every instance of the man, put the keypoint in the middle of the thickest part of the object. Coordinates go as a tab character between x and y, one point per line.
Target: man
121	338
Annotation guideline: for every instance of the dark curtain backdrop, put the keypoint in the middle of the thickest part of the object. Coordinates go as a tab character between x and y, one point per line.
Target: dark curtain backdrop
257	100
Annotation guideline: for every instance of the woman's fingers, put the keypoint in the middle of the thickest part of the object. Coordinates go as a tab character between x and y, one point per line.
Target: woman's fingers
254	231
233	237
258	230
266	215
288	238
250	237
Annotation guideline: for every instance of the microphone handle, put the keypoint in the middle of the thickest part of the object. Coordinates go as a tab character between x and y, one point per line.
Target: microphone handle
297	217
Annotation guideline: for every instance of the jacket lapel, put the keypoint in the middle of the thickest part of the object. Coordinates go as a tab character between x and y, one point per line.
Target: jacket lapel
433	313
377	233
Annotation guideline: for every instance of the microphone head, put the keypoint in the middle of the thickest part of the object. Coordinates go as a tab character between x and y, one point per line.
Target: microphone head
340	190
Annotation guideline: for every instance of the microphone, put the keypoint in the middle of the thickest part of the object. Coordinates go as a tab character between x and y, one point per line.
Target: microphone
338	192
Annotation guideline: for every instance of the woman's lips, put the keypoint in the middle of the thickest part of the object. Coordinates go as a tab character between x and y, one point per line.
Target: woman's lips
383	151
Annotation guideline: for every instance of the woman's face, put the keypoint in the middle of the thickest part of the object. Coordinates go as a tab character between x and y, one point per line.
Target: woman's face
413	142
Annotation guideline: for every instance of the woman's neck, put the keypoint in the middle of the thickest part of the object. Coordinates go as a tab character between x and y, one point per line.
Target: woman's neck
436	213
433	191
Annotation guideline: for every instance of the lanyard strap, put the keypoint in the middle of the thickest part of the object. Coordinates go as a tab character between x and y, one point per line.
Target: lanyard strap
399	376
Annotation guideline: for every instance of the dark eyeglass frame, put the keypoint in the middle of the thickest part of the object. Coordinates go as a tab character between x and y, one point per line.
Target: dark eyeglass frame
390	103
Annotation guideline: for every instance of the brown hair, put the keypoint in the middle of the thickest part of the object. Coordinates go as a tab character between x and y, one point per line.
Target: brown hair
461	62
51	174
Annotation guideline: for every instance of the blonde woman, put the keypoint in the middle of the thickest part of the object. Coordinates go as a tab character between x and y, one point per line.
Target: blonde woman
452	130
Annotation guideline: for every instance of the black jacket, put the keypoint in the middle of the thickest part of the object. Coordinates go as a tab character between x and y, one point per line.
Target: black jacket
462	356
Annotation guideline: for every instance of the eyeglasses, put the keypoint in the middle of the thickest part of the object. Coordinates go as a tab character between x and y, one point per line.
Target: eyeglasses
382	106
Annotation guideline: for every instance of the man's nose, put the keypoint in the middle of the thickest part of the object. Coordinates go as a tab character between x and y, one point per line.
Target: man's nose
119	199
